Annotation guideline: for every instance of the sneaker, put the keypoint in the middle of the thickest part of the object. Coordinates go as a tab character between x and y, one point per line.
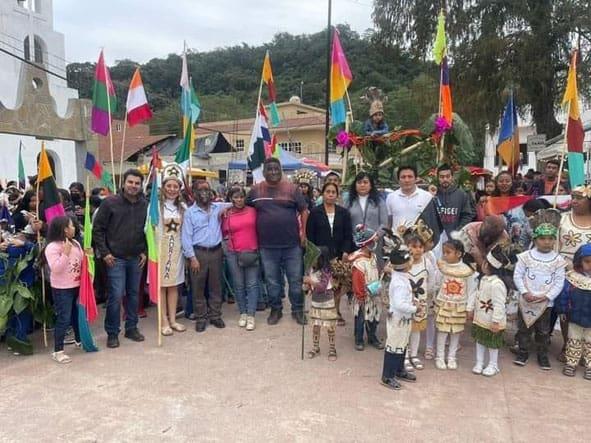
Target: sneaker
417	363
60	357
391	383
490	371
112	341
452	364
134	335
274	317
406	376
521	359
242	320
477	369
359	346
218	323
250	325
440	363
200	325
375	342
544	363
69	339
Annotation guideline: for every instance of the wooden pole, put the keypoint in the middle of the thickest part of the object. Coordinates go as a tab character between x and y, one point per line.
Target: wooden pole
157	241
564	151
110	126
42	271
122	150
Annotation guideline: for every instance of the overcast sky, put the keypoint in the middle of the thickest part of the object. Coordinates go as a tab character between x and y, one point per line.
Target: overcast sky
144	29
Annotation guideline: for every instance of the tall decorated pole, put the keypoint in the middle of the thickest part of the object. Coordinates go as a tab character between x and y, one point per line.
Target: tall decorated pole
445	110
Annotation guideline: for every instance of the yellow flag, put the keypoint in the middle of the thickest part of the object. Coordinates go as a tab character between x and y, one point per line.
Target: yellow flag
267	72
44	166
571	93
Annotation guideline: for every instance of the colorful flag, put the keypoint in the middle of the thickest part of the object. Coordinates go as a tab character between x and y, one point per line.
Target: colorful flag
87	310
97	170
21	168
51	197
340	78
152	221
138	109
500	205
440	45
508	145
260	145
190	105
268	79
104	100
440	55
183	152
575	133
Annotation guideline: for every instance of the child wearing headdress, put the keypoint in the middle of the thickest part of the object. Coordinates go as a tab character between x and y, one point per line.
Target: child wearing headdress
575	304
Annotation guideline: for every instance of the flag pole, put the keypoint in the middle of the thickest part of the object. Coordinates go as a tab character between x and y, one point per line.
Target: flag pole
110	122
156	230
122	149
564	151
42	267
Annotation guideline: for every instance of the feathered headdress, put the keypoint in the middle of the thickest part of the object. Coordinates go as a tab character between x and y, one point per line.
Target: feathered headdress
304	176
394	250
545	222
376	99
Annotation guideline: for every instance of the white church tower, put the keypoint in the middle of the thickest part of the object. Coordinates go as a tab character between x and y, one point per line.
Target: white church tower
32	51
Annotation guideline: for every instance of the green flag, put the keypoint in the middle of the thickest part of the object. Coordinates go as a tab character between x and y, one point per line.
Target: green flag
21	168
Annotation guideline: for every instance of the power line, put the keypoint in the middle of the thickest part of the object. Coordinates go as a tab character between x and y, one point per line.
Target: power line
33	64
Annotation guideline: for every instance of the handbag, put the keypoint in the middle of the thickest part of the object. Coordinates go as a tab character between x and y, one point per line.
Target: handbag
246	259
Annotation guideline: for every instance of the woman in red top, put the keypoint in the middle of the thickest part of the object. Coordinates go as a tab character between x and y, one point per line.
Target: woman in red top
239	231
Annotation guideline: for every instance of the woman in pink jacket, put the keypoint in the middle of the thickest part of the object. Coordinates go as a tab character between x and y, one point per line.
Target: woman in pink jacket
64	258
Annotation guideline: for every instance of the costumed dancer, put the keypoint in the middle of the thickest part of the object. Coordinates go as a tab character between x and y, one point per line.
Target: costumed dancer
172	268
424	276
401	308
323	311
539	277
375	125
303	179
575	304
365	284
457	283
487	308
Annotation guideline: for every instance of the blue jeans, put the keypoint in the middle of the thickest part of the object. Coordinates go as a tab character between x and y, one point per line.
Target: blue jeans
66	314
290	261
245	282
20	325
123	279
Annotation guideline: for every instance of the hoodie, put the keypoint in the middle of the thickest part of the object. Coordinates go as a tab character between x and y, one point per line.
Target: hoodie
454	207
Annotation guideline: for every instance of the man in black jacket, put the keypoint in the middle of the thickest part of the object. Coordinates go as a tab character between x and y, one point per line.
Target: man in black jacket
454	205
118	233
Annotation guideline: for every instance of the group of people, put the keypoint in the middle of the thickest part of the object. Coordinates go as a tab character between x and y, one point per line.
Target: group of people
429	261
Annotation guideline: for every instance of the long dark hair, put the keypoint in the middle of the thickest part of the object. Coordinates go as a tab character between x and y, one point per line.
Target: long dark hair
26	201
55	232
497	192
459	246
373	192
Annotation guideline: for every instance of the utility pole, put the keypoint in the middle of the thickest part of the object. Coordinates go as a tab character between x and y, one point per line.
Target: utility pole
328	54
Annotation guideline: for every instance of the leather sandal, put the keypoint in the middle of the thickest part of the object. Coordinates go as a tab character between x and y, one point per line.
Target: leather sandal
178	327
166	331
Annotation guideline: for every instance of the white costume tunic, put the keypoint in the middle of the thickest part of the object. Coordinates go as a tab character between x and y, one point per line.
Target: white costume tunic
572	236
423	276
172	262
401	309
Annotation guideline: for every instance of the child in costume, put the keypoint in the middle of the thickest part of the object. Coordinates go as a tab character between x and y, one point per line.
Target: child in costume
458	282
575	304
487	308
365	286
402	307
539	278
423	276
323	311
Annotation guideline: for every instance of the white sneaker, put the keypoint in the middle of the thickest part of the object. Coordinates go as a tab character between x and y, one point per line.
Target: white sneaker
477	369
250	325
242	321
440	363
490	371
60	357
452	364
408	365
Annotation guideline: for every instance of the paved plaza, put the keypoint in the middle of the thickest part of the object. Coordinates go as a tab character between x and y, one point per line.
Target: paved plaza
234	385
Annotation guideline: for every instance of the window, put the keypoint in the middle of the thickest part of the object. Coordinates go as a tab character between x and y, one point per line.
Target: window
291	147
27	48
39	49
240	144
118	127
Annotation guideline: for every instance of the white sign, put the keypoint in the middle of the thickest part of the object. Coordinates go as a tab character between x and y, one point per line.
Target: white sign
536	142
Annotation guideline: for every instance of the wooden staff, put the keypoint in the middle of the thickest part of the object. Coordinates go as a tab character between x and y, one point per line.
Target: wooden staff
42	268
564	151
122	150
110	125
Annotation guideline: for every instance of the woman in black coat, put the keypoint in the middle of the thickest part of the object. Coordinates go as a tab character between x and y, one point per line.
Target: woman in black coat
329	225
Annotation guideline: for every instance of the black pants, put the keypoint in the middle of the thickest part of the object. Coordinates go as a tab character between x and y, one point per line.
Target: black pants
361	325
393	364
541	329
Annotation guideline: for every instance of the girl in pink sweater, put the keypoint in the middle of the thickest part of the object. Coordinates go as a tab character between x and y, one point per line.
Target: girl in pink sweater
64	258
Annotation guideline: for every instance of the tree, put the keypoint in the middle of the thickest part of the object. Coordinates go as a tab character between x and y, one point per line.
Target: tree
494	45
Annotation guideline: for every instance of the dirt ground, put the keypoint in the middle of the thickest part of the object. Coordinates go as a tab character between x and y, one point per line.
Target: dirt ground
234	385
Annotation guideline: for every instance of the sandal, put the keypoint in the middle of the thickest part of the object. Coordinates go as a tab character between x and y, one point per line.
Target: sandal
60	357
417	363
313	353
178	327
569	370
166	331
587	374
332	355
429	354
